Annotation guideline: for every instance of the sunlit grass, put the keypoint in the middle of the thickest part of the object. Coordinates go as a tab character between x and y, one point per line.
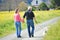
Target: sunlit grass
53	32
46	15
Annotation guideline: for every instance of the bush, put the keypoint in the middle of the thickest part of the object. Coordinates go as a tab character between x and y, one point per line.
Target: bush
43	6
33	8
58	8
51	6
23	6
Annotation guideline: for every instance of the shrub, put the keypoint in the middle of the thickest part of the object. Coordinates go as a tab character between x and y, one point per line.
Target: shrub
43	6
23	6
33	8
58	8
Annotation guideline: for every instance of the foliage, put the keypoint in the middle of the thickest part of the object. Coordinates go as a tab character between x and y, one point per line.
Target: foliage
53	32
33	8
58	8
43	6
55	3
23	6
51	6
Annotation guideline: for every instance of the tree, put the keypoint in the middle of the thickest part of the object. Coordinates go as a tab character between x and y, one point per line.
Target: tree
23	6
55	2
43	6
33	8
51	6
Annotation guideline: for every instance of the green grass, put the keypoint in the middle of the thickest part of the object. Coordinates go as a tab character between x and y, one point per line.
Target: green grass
42	16
53	32
7	21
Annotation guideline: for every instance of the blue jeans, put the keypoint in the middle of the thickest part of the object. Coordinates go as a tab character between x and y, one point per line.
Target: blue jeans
18	28
30	23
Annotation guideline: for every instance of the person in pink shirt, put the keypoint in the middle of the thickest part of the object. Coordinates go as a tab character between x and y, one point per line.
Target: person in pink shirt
17	20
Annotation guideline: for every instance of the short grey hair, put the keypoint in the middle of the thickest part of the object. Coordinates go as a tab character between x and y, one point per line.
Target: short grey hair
29	7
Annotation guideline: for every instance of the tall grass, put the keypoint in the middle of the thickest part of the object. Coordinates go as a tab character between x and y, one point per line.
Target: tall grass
46	15
6	23
7	20
54	32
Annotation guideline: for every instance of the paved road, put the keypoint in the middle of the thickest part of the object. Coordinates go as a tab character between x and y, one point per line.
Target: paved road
39	31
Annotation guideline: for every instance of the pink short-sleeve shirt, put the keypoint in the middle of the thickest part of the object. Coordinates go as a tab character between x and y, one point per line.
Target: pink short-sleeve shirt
17	17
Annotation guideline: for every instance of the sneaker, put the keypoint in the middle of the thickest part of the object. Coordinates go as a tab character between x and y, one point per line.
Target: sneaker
32	35
29	36
18	36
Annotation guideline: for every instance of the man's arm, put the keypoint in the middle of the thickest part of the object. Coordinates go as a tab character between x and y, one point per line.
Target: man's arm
34	17
24	15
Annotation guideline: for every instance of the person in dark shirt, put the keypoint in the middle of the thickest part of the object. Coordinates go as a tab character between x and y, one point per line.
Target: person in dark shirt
29	17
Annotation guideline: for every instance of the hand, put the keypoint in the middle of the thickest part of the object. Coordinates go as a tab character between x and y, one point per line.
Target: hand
23	21
36	21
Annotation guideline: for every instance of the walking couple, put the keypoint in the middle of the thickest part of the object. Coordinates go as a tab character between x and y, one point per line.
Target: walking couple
29	17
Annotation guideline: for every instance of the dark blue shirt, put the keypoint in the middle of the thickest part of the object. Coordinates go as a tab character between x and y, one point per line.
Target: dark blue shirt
29	15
